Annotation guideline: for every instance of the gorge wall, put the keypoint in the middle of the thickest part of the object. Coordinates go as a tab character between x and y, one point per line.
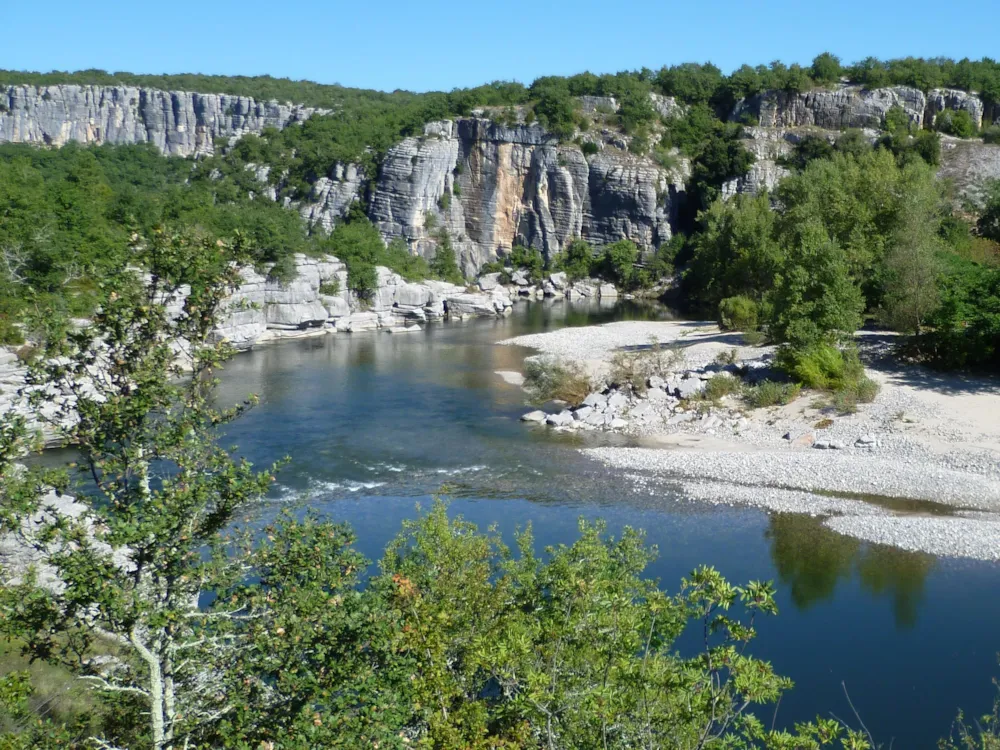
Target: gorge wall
491	185
179	123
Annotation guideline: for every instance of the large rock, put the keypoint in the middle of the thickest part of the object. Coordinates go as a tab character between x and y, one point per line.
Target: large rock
359	321
179	123
939	100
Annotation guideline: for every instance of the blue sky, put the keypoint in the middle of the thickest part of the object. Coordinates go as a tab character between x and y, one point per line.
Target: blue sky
430	44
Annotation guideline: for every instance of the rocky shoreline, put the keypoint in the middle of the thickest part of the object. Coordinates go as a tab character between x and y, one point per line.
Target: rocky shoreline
918	468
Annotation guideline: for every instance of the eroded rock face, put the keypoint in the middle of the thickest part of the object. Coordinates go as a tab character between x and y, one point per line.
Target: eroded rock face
179	123
331	197
836	109
969	163
940	100
491	186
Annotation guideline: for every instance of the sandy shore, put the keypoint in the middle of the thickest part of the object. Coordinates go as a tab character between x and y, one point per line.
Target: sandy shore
919	468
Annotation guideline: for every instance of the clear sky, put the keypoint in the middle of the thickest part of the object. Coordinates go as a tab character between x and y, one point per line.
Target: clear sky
431	44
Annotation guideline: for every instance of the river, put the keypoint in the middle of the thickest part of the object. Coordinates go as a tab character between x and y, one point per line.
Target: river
376	424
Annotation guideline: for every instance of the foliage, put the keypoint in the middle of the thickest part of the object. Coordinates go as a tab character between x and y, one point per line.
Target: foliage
770	393
632	368
991	134
576	259
825	367
719	386
982	733
444	264
616	263
825	68
528	258
738	314
958	123
154	533
548	379
988	223
736	252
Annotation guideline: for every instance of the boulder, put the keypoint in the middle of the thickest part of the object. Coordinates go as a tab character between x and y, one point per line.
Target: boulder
689	388
559	280
562	419
607	291
360	321
489	281
535	417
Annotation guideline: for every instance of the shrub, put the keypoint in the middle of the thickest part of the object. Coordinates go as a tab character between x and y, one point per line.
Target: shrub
589	148
456	190
283	270
617	262
10	333
719	386
548	379
444	201
738	314
444	264
330	287
754	338
958	123
992	134
820	366
529	258
770	393
633	369
727	357
576	260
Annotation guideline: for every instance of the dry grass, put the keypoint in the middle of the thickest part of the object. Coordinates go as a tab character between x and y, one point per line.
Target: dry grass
556	380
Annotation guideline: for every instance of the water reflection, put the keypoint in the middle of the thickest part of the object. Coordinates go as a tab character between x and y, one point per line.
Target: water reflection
811	560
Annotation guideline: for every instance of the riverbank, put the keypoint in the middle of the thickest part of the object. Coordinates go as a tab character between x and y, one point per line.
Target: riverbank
918	468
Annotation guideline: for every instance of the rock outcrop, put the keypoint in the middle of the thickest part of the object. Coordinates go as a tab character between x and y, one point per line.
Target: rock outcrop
179	123
836	109
854	107
491	186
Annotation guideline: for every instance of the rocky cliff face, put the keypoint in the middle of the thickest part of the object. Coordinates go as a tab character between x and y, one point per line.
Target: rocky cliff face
492	186
178	123
855	107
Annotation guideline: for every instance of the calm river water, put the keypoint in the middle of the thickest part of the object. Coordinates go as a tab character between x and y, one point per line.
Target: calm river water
377	423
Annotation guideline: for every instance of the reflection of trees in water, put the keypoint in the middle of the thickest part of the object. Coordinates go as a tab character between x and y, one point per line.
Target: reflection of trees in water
811	559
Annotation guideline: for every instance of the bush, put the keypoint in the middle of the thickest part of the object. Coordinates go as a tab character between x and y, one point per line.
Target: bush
633	368
548	379
283	270
770	393
330	287
738	314
529	258
719	386
444	265
820	366
992	134
444	201
616	263
589	148
958	123
576	260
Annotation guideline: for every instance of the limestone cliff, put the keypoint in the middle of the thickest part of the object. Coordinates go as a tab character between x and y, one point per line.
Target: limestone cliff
179	123
492	186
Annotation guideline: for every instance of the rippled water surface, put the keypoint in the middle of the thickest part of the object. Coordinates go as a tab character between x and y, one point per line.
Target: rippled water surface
375	423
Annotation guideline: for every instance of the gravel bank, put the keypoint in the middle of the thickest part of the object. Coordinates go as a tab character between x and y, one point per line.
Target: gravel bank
945	537
927	437
813	471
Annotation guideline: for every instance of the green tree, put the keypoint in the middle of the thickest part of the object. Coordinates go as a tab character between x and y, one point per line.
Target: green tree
576	259
815	298
825	68
153	535
444	265
616	263
735	253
